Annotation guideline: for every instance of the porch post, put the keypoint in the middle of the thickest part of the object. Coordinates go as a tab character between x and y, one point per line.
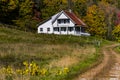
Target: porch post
74	29
67	29
80	30
53	30
60	29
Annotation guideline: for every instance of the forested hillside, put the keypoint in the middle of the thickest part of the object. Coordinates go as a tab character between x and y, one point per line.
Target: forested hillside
101	16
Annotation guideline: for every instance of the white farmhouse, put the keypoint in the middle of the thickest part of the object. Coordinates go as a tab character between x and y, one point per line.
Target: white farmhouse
64	23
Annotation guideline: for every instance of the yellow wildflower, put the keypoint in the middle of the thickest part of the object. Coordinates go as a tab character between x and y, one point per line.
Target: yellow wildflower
25	63
43	71
66	70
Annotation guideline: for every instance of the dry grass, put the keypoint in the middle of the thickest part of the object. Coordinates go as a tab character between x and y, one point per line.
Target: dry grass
45	55
59	55
64	62
76	56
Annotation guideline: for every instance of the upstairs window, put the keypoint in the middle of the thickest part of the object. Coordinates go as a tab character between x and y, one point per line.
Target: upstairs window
63	21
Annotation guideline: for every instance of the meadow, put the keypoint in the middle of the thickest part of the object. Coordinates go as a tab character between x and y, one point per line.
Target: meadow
54	57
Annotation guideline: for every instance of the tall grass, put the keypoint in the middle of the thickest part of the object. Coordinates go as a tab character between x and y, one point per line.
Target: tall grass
75	52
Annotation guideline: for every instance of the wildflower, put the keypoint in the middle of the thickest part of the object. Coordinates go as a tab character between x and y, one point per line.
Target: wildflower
9	70
26	71
43	71
19	71
3	70
66	70
25	63
59	72
31	64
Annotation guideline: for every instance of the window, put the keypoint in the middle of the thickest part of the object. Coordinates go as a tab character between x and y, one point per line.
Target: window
63	28
67	20
56	29
70	29
48	29
63	21
41	29
77	28
59	21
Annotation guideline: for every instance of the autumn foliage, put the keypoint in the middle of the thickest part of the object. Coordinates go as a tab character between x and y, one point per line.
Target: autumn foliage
101	16
95	20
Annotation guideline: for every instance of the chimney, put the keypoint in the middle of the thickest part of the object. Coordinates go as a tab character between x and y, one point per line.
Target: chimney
70	10
69	5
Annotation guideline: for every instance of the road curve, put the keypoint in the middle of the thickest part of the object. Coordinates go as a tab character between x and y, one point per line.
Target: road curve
102	71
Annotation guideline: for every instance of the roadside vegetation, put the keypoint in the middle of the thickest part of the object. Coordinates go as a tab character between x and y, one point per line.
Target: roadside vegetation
117	49
55	57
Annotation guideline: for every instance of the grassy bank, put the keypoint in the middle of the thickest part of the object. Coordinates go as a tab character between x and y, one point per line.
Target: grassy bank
117	49
50	52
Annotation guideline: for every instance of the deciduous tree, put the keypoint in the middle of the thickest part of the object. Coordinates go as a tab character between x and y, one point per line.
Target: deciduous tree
8	10
95	20
116	32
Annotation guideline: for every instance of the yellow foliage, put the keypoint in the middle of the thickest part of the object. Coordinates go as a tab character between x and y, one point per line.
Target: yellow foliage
95	19
12	5
116	32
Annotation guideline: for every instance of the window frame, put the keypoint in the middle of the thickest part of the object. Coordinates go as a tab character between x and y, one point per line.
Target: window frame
70	29
48	29
56	29
41	29
63	21
63	29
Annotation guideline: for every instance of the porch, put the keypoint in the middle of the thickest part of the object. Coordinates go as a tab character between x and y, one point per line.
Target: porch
68	30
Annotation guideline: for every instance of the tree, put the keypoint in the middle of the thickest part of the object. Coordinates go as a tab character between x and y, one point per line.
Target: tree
80	6
118	4
8	10
25	21
116	32
109	11
26	8
95	21
52	7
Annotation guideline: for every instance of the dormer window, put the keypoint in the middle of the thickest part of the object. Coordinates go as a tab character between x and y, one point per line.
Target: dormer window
63	21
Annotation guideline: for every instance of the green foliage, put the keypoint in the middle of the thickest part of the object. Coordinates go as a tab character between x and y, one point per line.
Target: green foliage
80	6
117	49
116	32
26	8
90	61
8	9
118	5
52	7
26	24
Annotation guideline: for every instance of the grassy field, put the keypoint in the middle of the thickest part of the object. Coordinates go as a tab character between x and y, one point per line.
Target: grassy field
55	57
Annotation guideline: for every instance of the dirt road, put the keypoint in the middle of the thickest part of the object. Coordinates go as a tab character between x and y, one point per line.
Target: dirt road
109	69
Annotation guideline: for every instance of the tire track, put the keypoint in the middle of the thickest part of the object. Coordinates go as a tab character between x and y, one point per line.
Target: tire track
99	72
114	72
